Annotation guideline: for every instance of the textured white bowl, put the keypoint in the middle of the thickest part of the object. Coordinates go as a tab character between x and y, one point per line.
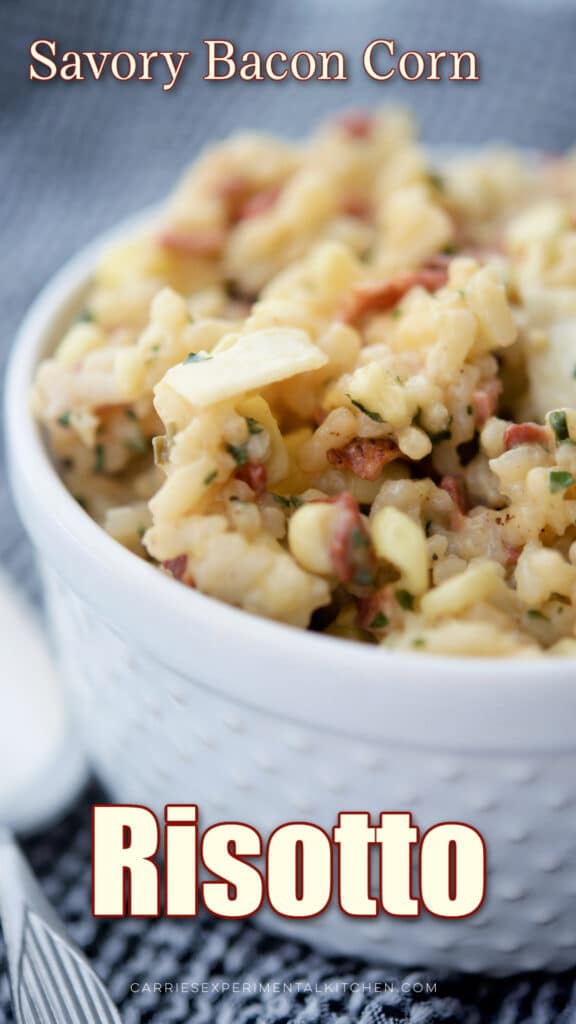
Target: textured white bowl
183	699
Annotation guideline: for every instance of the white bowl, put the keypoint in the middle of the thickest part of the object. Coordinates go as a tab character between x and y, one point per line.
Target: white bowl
183	699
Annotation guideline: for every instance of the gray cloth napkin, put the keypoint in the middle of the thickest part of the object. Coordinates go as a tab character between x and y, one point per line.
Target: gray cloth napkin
76	157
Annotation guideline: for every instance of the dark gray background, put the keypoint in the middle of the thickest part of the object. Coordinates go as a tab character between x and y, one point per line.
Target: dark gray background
73	159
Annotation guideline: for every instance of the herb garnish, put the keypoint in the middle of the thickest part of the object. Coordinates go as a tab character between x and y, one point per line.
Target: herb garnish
85	317
379	621
210	478
99	458
292	502
196	357
239	453
64	419
559	480
405	600
559	425
253	426
533	613
367	412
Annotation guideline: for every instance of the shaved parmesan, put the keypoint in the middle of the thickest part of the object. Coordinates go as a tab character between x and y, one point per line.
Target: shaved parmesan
251	361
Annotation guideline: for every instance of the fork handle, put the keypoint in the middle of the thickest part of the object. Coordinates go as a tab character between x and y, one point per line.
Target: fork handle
51	980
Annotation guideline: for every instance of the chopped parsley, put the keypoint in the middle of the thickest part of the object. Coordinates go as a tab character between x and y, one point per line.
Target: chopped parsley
64	419
559	425
86	317
367	412
196	357
396	313
559	480
405	600
239	453
253	426
419	641
292	502
379	621
99	458
449	250
210	478
130	414
574	372
533	613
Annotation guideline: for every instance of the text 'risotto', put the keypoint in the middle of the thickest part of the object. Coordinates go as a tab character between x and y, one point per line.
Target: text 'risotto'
336	387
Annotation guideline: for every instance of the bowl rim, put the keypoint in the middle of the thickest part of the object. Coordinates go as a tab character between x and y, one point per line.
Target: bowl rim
38	489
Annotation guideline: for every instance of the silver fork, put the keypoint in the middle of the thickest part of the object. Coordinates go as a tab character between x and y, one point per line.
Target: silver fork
51	980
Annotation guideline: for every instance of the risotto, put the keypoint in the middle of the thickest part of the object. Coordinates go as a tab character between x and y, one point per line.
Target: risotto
335	385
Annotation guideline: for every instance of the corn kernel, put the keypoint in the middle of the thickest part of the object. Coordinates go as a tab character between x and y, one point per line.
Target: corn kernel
309	537
401	541
414	443
475	584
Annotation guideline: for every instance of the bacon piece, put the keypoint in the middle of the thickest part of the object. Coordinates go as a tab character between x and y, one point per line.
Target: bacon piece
511	554
254	474
439	261
260	202
356	206
350	547
524	433
233	189
379	611
485	400
381	296
242	201
200	242
365	456
456	488
177	567
356	124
